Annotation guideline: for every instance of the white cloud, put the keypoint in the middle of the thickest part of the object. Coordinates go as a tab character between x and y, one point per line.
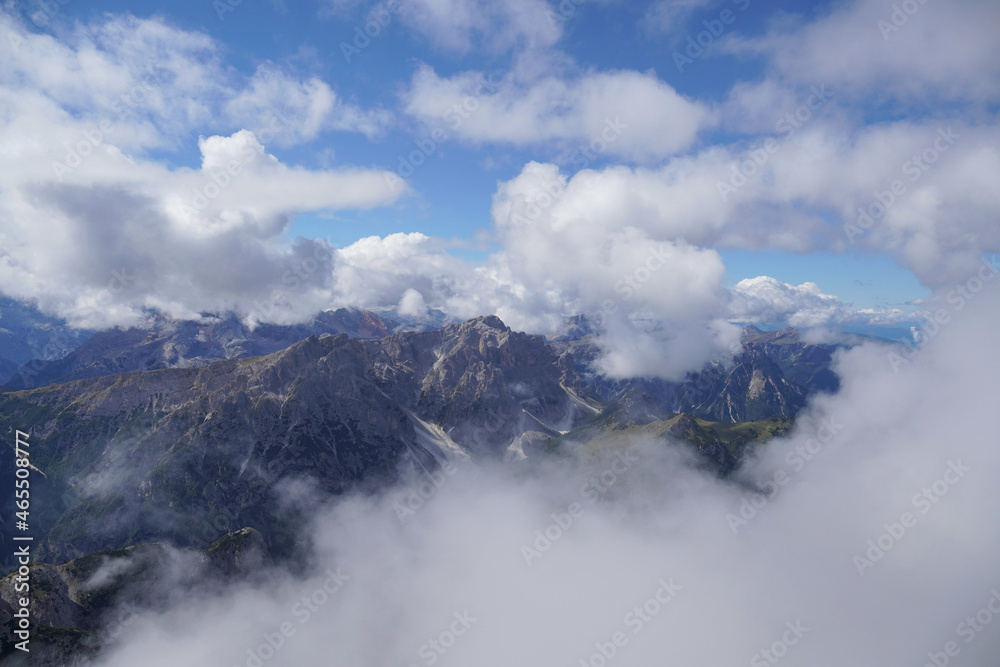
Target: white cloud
929	52
306	107
383	272
766	300
567	252
94	230
758	107
619	114
568	241
412	304
669	16
803	192
185	241
157	83
496	27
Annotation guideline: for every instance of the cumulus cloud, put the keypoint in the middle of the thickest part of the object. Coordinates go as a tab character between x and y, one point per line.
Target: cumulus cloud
805	187
383	272
116	236
156	83
567	254
463	25
622	114
914	51
95	230
306	107
412	304
766	300
848	556
669	15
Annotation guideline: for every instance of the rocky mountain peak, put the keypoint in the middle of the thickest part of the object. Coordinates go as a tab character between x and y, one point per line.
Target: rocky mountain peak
484	322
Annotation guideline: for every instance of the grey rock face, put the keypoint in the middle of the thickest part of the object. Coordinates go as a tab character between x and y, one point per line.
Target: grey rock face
480	381
185	454
771	378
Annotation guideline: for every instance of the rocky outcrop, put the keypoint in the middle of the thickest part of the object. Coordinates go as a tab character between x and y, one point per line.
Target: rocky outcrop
186	454
480	381
77	606
754	388
772	377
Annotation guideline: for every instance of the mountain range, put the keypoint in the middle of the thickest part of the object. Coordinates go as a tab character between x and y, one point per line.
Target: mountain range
182	433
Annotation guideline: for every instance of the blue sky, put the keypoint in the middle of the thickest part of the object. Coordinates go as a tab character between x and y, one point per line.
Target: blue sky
455	185
444	163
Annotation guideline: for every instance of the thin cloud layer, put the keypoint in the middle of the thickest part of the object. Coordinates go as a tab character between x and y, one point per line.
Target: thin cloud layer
465	25
912	51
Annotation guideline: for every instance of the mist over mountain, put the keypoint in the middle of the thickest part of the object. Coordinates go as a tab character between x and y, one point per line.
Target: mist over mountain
588	527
